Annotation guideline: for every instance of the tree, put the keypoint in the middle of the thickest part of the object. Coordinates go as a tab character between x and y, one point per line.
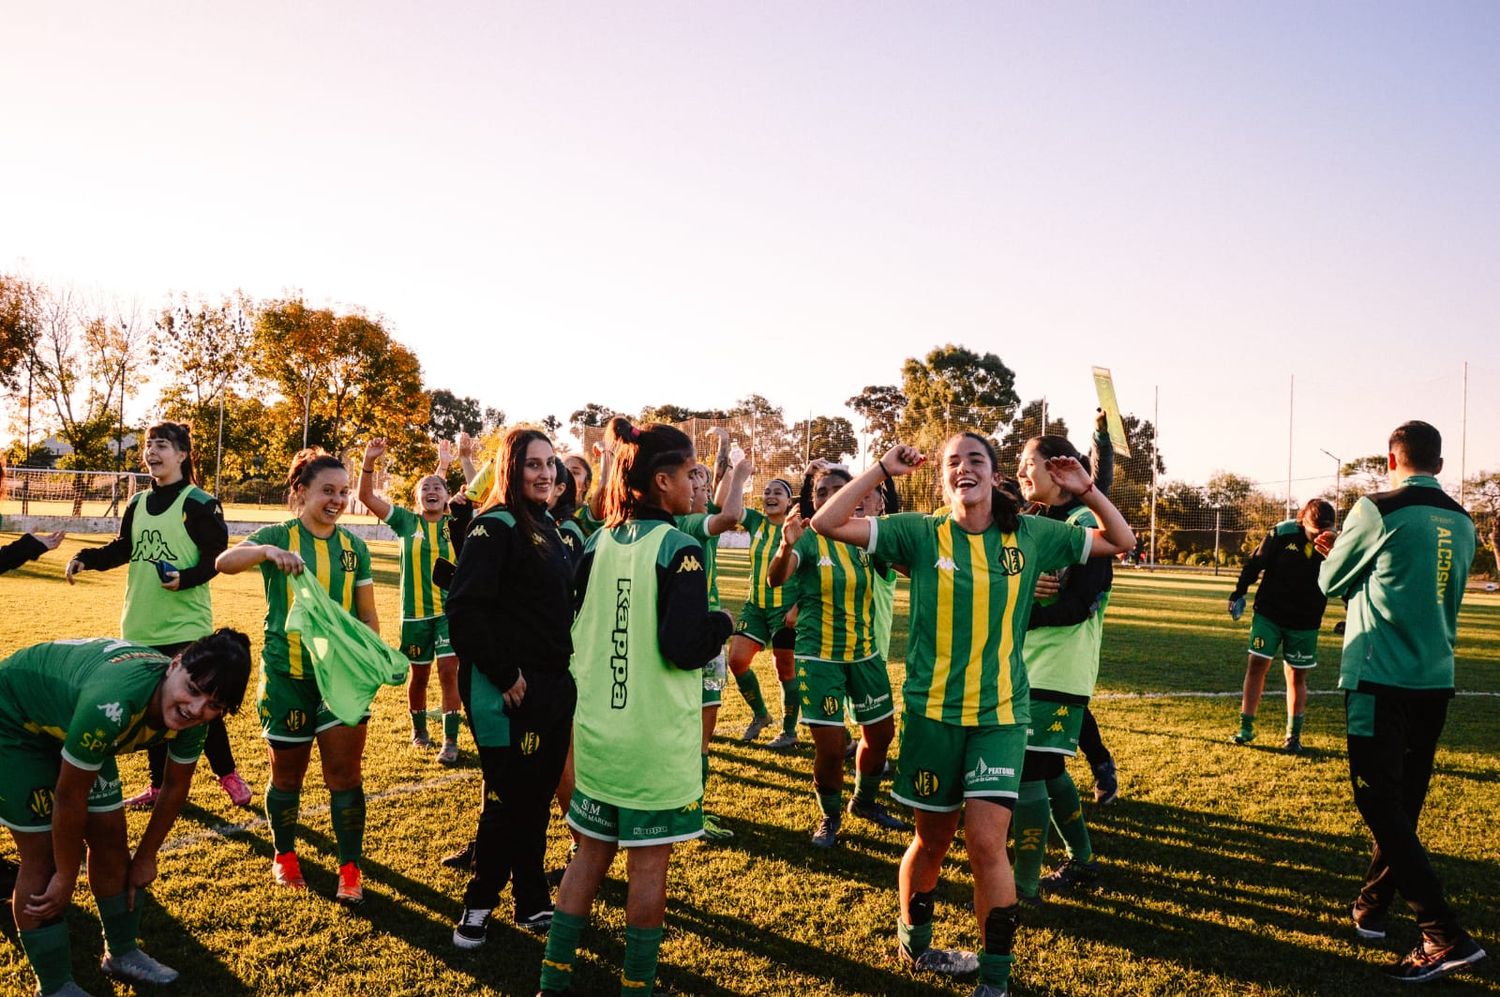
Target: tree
1025	426
593	415
204	348
880	405
494	418
452	415
294	348
953	389
19	324
552	424
829	437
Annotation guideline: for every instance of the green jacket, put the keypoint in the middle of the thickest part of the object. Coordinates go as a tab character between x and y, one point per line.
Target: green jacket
1402	562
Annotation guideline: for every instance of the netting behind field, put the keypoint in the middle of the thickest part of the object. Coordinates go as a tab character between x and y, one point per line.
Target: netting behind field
34	491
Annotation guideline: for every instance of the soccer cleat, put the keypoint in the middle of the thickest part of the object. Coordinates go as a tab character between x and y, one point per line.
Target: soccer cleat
537	923
144	800
1423	963
237	788
419	739
472	928
286	871
757	724
351	893
782	741
1070	875
948	962
448	755
69	989
1243	736
877	814
136	966
989	990
1106	783
1032	901
1292	745
715	832
1369	924
827	834
461	859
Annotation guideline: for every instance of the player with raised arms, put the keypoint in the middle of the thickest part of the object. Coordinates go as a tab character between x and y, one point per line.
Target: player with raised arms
292	713
767	620
640	640
422	533
973	570
1288	612
838	659
67	709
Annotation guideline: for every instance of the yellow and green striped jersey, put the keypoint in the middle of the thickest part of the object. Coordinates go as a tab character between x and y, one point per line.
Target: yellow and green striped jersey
423	541
765	537
835	600
695	525
971	596
340	563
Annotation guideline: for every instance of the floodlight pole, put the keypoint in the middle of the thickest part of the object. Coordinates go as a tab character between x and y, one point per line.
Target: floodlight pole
1291	402
1463	447
1155	431
1218	512
1338	484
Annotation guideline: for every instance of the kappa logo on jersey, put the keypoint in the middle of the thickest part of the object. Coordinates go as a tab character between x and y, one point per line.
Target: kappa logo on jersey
478	530
1056	728
926	782
113	711
348	560
691	808
619	662
1012	561
530	741
945	564
690	563
825	561
150	546
294	720
985	772
40	802
830	706
1062	711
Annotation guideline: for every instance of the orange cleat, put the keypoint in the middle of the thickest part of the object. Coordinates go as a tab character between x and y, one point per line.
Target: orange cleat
287	872
350	892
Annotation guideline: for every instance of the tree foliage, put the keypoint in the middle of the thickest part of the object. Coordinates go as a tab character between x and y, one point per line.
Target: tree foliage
953	389
1026	425
829	437
880	405
20	308
452	415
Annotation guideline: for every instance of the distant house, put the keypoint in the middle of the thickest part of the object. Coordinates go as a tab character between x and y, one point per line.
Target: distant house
59	448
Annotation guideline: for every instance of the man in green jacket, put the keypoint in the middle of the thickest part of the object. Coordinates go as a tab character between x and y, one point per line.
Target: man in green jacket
1402	562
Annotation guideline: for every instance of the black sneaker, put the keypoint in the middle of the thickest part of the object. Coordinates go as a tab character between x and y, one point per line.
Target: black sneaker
537	923
1070	875
461	859
472	928
1032	901
1292	745
1422	963
1106	783
877	814
1369	924
827	834
946	962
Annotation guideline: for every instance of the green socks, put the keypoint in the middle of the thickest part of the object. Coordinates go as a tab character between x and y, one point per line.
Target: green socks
121	926
916	938
562	950
994	970
451	722
705	771
282	810
419	723
1067	814
639	973
866	787
830	803
749	687
791	705
1294	725
1029	824
1247	727
348	811
50	955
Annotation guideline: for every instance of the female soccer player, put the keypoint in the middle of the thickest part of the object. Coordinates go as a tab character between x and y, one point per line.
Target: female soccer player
563	507
423	535
766	620
292	712
640	640
973	572
510	610
1062	666
29	547
1288	612
169	537
838	659
67	708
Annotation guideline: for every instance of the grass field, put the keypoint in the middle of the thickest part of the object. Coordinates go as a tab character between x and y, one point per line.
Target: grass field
1229	870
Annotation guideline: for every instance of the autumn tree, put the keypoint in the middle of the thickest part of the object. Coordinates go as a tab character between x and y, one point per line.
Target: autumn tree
20	308
203	347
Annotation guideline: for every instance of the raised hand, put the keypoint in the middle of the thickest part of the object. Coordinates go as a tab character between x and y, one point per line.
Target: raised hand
375	449
902	459
445	452
1069	474
792	527
465	445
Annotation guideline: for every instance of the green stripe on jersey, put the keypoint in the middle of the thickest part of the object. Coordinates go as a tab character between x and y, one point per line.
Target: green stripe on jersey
695	525
835	600
765	537
339	563
423	541
971	596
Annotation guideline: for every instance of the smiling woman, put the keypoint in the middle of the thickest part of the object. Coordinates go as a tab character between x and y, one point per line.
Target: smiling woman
67	708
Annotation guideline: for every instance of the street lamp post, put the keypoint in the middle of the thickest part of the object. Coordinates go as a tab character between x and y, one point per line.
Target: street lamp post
1338	484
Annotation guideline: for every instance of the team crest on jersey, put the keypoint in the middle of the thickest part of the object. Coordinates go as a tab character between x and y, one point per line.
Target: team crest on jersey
530	741
294	720
113	711
40	802
1258	643
150	546
925	782
348	560
1012	561
830	706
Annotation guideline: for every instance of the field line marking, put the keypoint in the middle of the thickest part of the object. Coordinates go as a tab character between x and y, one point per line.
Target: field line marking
227	830
1235	694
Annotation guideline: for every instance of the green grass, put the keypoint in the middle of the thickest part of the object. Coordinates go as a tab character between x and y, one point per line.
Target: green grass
1229	870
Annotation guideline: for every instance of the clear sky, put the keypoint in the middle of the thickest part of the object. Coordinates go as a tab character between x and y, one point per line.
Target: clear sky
634	203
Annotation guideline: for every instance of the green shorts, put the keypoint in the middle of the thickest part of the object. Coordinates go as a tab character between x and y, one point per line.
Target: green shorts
292	710
760	625
28	778
634	828
1055	725
1299	648
715	673
941	765
825	685
424	640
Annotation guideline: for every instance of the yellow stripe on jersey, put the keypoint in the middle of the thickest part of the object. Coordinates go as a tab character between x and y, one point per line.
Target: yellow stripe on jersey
825	581
294	639
346	590
979	630
1005	709
841	551
942	656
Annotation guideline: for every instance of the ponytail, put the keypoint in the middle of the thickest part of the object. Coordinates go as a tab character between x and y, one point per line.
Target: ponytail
639	452
180	435
1004	507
